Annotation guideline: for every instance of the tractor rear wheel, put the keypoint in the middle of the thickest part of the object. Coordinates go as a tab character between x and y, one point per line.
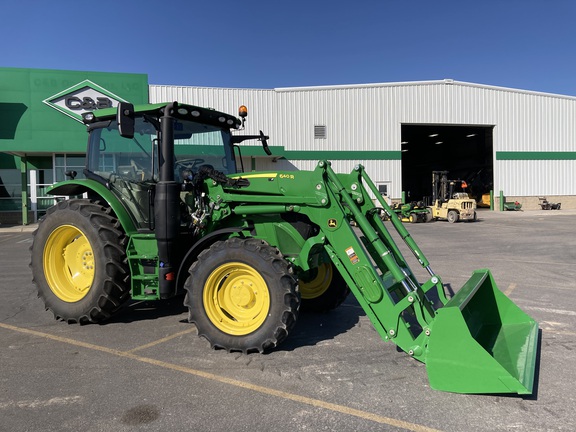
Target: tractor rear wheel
78	262
322	289
242	296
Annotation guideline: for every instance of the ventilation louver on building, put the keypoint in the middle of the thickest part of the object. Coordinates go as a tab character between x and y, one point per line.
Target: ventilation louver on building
319	132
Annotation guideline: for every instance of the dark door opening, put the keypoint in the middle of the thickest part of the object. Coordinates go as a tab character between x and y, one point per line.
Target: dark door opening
466	152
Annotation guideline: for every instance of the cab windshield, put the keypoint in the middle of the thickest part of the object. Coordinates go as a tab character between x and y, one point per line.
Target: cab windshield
130	165
113	157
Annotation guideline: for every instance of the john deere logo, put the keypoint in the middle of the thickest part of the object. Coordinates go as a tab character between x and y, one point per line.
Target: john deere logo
83	97
332	223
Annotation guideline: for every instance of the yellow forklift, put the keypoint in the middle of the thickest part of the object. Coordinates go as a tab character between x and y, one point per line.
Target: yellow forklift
450	201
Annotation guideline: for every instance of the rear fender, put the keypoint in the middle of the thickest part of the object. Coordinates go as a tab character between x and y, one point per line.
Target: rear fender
97	191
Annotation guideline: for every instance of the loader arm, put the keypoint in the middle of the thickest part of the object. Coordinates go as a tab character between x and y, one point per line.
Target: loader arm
371	263
479	319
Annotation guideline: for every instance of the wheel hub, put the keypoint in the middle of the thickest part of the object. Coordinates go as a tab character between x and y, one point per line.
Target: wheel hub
243	295
69	263
236	298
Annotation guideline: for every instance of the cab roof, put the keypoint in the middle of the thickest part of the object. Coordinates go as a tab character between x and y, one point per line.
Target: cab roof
180	111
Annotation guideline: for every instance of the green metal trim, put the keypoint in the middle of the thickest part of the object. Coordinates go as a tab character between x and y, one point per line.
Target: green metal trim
315	155
343	155
536	155
251	150
78	187
254	150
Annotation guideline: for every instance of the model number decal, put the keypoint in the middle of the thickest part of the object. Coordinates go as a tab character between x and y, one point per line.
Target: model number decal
287	176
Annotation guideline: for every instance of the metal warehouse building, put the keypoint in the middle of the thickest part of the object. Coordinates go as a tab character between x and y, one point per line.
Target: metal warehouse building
517	143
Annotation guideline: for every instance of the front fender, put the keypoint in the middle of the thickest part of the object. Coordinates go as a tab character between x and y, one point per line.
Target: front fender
81	186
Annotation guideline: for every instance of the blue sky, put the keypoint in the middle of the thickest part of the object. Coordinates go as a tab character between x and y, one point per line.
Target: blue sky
523	44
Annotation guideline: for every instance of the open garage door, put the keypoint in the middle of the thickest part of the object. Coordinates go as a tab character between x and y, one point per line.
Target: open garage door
465	151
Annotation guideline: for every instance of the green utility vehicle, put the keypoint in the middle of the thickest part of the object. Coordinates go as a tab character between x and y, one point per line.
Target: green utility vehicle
168	210
412	212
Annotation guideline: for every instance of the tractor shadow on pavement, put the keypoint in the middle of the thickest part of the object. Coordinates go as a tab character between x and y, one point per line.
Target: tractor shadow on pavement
150	310
311	327
315	327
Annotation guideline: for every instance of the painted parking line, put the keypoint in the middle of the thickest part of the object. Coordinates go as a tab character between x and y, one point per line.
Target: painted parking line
159	341
549	310
12	237
342	409
39	403
509	290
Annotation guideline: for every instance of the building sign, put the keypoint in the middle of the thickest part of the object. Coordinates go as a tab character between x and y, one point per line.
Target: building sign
83	97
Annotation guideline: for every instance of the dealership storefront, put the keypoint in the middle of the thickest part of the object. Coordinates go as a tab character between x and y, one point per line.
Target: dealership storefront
41	133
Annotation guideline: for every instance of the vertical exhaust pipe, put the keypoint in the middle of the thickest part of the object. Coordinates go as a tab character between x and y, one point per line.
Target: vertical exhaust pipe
166	206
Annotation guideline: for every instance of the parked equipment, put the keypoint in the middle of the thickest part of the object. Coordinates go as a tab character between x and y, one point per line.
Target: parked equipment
512	206
412	212
168	211
546	205
449	204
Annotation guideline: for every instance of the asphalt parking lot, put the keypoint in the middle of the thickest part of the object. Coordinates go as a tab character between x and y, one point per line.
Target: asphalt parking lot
147	370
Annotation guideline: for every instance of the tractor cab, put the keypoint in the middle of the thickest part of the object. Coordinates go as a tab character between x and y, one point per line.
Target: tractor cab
131	149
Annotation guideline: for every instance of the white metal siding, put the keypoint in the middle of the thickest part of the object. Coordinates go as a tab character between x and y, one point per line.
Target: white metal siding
369	118
537	178
260	103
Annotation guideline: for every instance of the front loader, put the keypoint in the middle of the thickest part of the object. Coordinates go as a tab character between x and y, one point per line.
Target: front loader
166	210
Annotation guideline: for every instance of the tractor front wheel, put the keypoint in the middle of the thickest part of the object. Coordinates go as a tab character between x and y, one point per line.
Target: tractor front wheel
242	296
78	262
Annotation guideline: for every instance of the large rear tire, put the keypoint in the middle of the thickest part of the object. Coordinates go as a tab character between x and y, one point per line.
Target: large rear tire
78	262
322	289
242	296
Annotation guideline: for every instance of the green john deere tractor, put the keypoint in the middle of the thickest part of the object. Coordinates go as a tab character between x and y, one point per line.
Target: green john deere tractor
167	210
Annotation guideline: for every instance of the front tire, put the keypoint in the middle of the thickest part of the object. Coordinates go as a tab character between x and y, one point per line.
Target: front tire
242	296
453	216
322	289
78	262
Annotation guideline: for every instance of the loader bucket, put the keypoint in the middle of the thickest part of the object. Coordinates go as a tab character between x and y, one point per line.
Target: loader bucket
481	342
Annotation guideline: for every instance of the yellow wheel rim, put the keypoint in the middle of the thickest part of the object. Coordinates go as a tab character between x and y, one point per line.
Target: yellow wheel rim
68	263
319	284
236	299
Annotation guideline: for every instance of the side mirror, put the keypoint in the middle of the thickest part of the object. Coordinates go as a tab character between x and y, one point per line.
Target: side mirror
264	140
125	118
